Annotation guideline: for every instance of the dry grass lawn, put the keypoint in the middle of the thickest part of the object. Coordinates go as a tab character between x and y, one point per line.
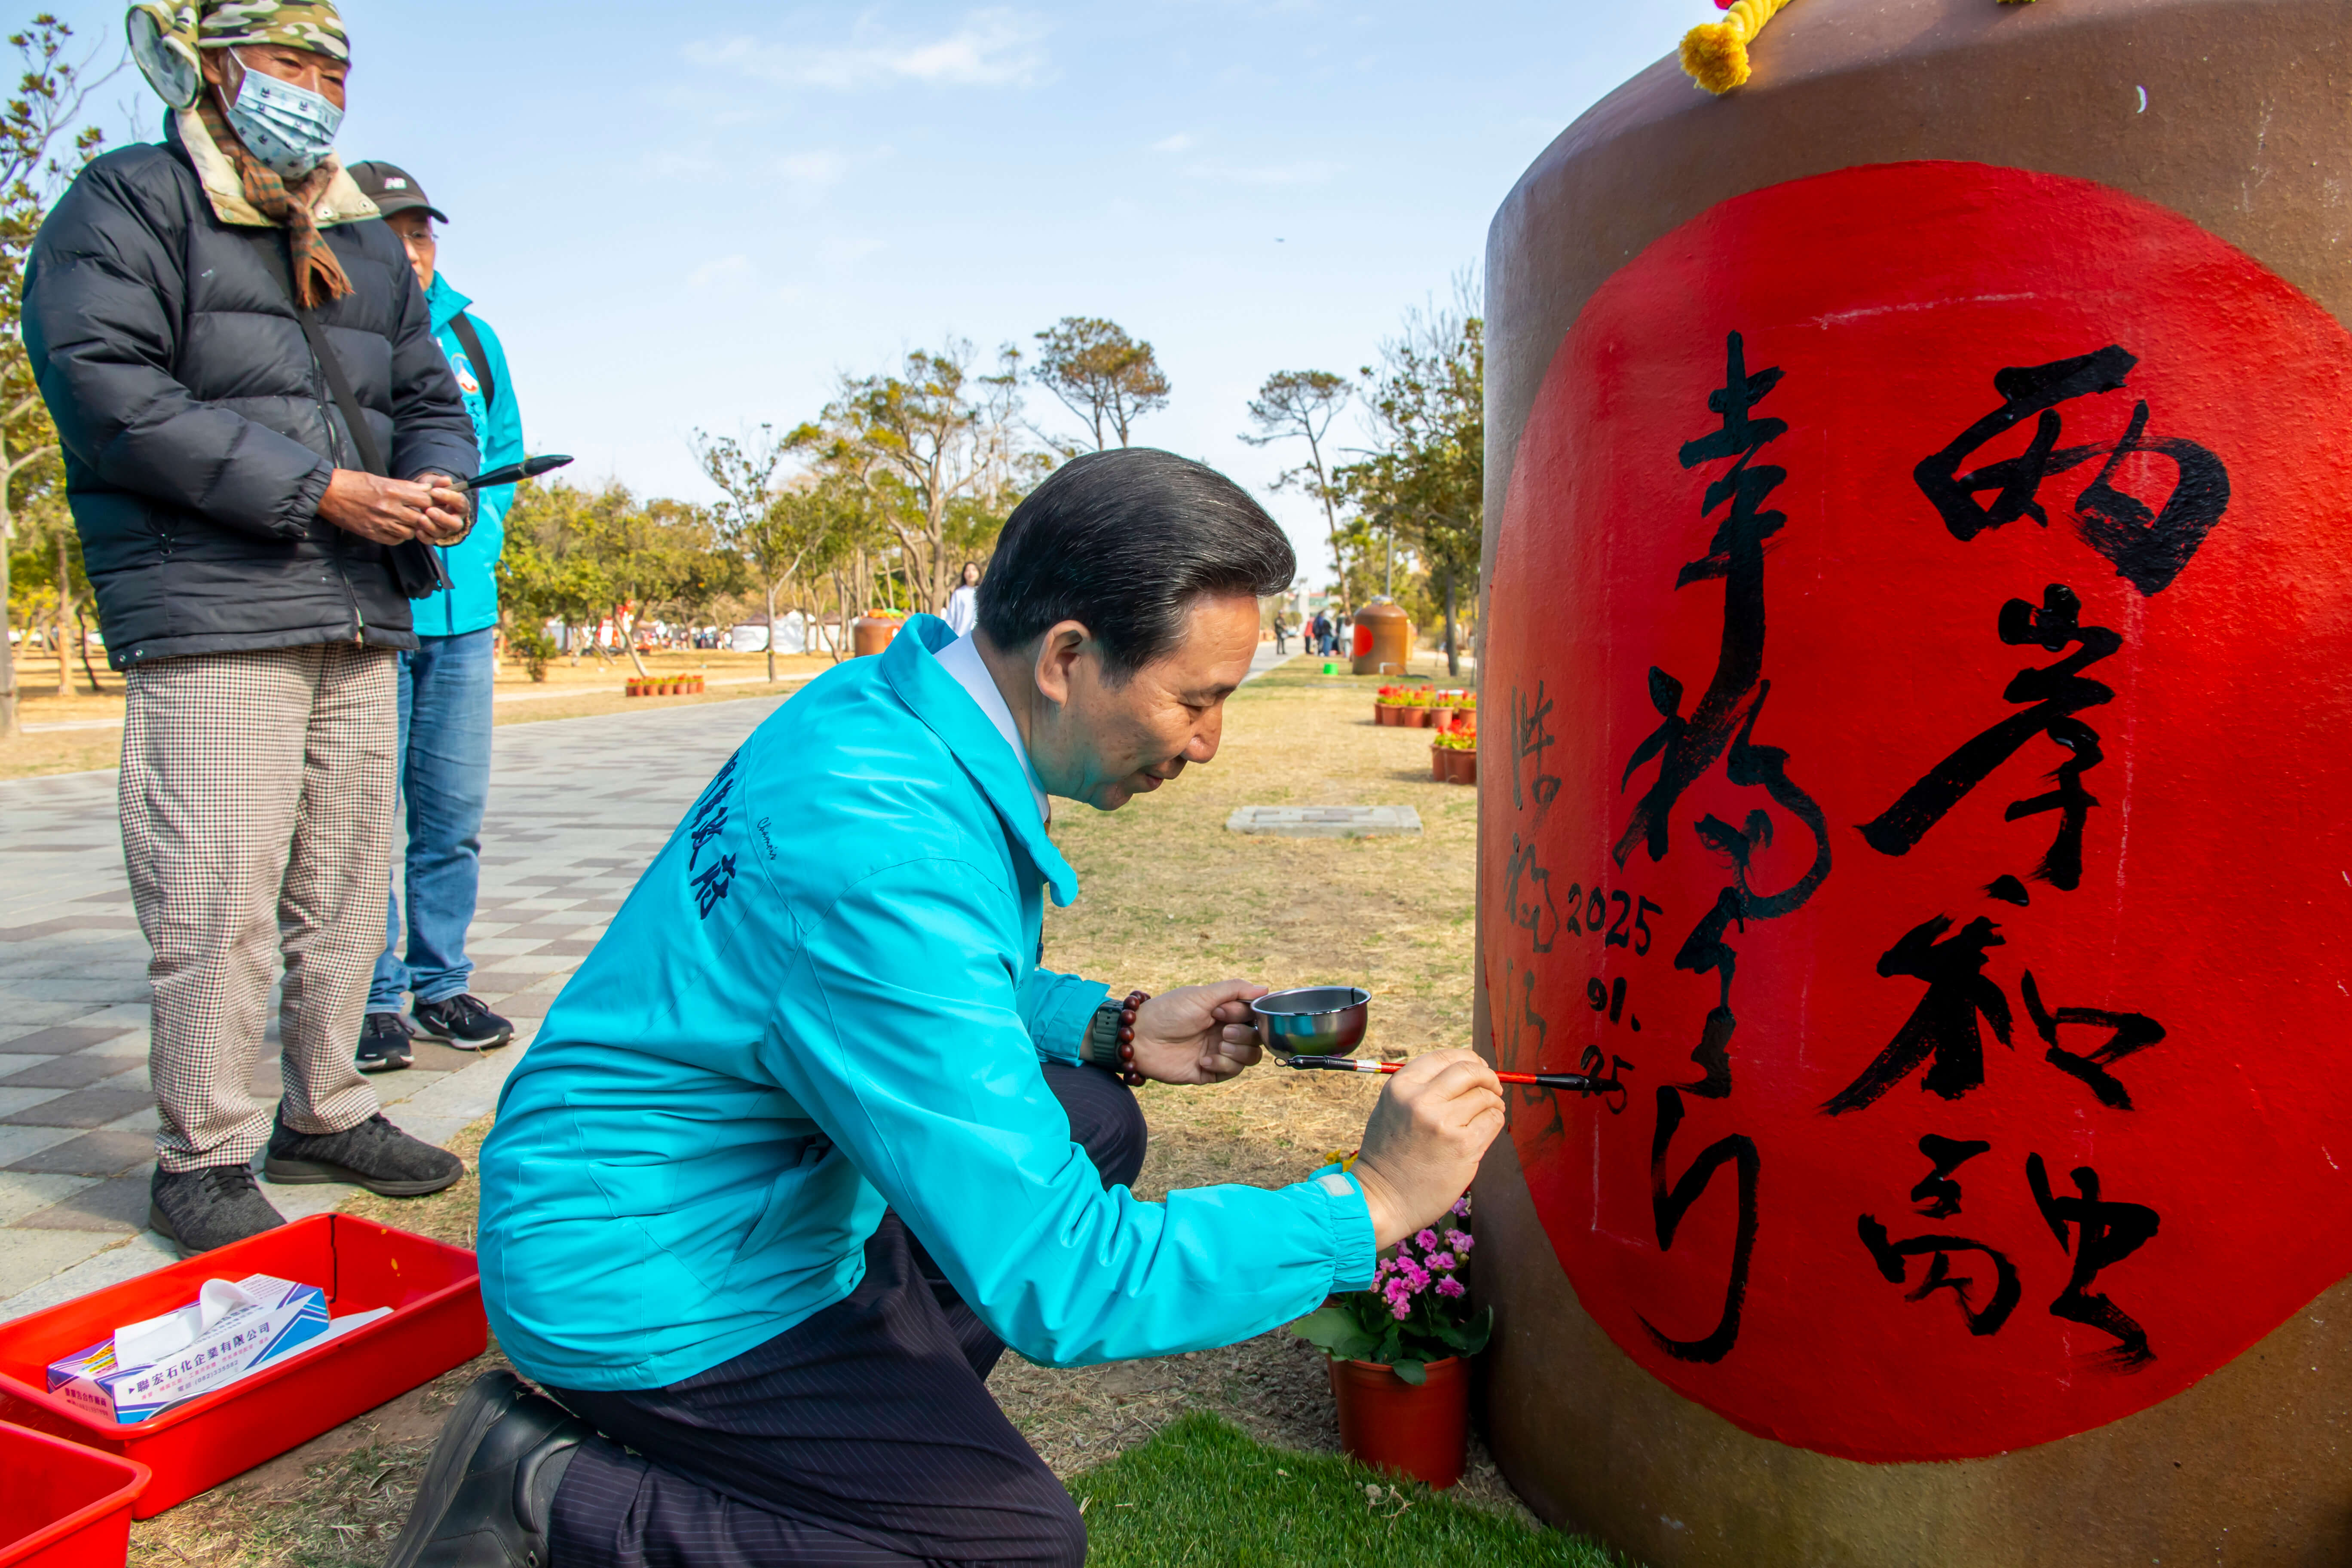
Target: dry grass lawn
1168	896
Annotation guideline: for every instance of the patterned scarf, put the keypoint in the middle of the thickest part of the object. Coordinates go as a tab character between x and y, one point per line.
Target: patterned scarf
318	276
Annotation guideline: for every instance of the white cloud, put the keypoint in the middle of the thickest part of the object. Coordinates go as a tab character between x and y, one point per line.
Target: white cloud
718	270
1302	172
839	253
1181	142
992	47
680	165
811	172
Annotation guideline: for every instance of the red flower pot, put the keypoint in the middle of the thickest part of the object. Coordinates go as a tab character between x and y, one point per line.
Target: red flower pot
1422	1431
1447	765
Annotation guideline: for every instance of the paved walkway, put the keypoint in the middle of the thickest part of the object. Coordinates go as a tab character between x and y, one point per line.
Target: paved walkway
577	808
552	694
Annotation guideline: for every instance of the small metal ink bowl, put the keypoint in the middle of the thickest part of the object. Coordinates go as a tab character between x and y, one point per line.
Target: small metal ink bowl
1317	1020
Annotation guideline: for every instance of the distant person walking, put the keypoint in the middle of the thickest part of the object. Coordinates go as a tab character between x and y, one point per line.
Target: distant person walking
239	364
962	613
1279	633
445	688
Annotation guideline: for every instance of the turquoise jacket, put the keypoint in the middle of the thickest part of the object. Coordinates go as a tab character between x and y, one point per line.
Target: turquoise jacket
824	996
471	601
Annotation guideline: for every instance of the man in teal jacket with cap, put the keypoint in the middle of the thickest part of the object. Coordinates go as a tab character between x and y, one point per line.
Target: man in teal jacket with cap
813	1134
445	688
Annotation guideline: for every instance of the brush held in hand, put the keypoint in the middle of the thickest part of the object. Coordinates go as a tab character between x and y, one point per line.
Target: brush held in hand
1575	1082
515	473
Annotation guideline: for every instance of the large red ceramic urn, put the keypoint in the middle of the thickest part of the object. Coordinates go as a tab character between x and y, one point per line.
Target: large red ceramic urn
1918	672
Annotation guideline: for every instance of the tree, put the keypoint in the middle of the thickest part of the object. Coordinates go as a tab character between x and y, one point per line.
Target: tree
46	582
1099	373
706	570
943	433
775	529
645	553
49	97
545	571
1427	479
824	519
1300	405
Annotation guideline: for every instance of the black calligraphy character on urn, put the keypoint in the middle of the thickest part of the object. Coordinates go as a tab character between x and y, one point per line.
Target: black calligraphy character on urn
2106	1232
1943	1029
2058	692
2149	546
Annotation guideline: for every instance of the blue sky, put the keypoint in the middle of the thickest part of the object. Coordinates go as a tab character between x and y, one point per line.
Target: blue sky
699	216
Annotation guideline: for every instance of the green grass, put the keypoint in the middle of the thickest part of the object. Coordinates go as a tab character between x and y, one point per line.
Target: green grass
1200	1492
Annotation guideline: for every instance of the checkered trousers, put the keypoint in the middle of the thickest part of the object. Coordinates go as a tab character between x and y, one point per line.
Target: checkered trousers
257	804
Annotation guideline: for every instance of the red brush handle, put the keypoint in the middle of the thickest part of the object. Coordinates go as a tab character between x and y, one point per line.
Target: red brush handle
1575	1082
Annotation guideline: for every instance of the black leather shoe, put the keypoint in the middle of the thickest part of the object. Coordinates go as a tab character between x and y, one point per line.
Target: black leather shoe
488	1492
207	1207
376	1154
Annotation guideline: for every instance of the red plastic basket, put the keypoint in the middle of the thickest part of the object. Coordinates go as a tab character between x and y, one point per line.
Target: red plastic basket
434	1291
62	1505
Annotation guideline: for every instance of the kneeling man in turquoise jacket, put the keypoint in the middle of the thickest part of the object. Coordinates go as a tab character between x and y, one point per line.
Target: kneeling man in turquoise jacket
811	1135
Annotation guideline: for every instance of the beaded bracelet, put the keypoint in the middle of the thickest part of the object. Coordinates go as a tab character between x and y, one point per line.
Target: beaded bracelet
1110	1036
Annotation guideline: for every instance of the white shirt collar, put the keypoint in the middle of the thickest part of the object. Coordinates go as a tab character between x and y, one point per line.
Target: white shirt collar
961	659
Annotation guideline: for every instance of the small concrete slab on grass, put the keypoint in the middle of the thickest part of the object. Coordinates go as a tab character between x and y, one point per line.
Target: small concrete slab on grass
1324	821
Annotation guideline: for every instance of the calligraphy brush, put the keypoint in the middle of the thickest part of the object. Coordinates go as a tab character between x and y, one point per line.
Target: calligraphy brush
1575	1082
514	473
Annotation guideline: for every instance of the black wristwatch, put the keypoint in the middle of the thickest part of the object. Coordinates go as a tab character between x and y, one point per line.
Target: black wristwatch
1110	1039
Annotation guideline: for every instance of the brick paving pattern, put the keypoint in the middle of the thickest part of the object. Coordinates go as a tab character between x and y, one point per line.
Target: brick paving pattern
577	808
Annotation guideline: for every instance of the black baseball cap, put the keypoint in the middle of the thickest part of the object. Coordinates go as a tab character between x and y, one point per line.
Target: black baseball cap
393	189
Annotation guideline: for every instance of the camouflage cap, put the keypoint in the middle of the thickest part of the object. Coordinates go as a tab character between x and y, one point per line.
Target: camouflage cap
297	24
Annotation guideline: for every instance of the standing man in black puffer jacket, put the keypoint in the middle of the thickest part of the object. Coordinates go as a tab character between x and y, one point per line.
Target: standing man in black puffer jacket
260	437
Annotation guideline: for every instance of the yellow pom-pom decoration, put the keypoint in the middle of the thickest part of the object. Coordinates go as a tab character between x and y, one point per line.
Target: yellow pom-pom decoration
1716	53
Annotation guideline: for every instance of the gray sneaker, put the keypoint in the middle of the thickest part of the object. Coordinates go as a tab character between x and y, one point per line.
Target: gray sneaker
207	1207
375	1154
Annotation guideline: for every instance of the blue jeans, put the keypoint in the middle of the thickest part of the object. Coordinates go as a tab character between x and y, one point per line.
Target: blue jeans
445	779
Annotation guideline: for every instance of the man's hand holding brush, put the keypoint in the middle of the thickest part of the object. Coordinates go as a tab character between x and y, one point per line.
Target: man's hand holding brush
1427	1134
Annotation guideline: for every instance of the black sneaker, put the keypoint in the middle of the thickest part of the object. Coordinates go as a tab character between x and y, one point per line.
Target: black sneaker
375	1154
207	1207
383	1043
489	1492
464	1022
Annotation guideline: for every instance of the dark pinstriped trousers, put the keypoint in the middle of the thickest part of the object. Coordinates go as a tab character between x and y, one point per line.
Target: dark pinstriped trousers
863	1435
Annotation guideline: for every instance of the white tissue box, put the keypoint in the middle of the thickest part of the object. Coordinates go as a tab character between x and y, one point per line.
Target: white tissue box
229	1331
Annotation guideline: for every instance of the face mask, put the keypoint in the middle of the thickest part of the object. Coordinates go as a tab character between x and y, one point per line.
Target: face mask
289	130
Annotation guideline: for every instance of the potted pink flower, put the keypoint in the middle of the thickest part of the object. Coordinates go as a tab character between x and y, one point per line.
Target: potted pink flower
1400	1354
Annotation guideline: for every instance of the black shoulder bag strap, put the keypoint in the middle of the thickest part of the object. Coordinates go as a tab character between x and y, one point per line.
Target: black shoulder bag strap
415	566
463	325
